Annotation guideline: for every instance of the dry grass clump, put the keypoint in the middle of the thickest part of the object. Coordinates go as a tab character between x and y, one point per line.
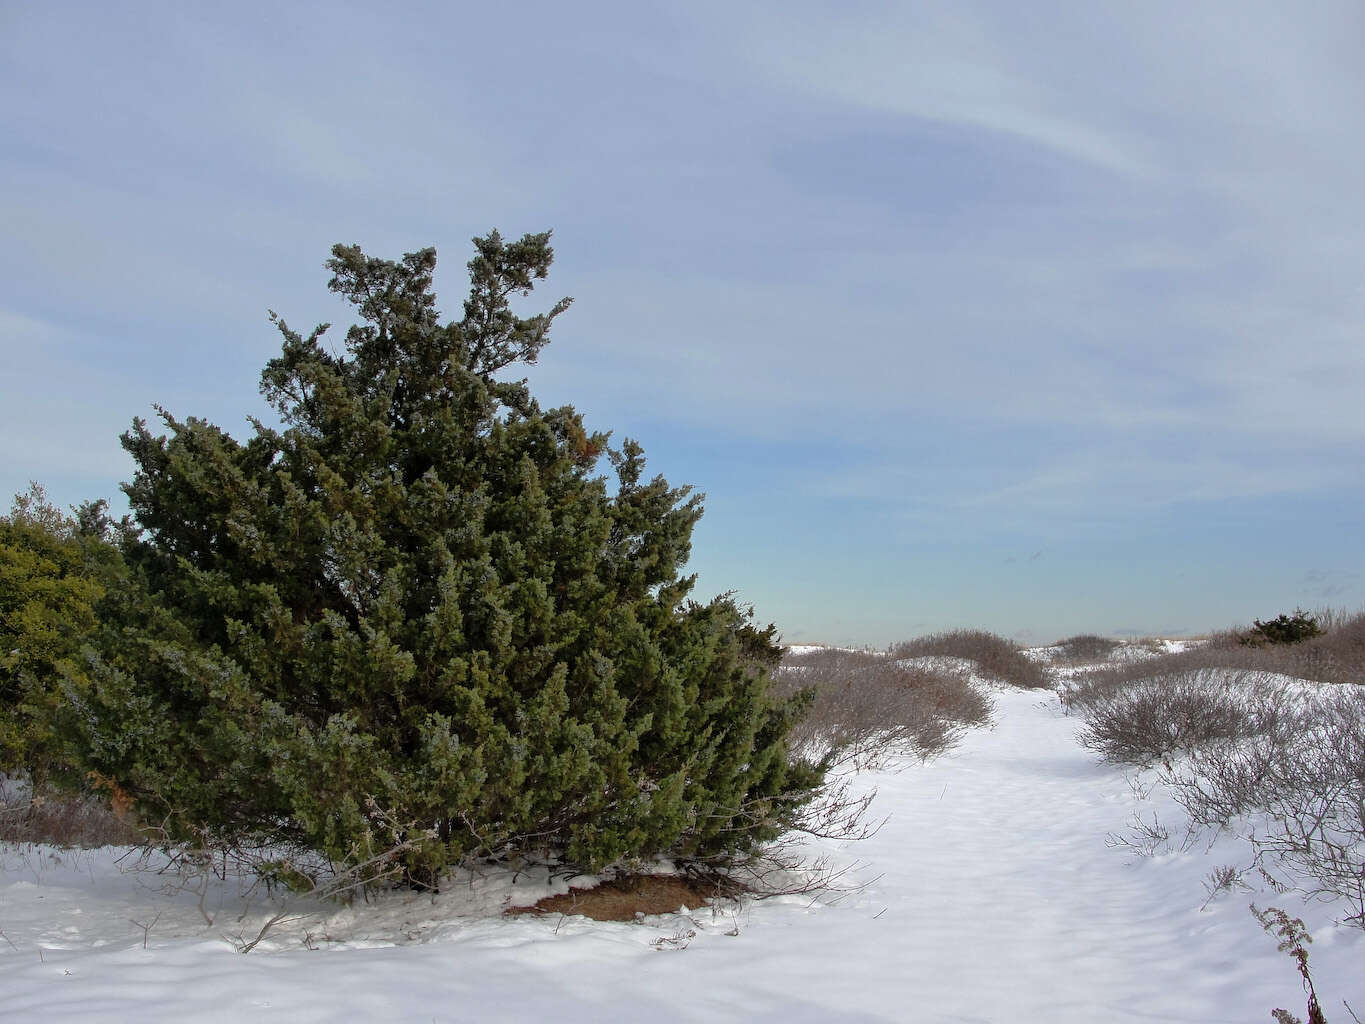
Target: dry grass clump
626	897
866	706
59	819
994	655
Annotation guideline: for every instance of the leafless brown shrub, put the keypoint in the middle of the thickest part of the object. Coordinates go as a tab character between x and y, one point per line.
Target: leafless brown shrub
1306	772
1336	657
866	705
1181	712
994	655
1102	683
1293	758
1084	647
66	820
1224	639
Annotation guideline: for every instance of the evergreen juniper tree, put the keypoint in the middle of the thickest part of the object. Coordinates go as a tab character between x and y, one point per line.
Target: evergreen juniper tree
415	613
53	571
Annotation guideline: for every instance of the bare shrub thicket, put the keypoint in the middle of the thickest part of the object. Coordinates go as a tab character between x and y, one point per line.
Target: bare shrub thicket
60	819
994	655
867	706
1179	712
1084	647
1306	774
1241	743
1338	656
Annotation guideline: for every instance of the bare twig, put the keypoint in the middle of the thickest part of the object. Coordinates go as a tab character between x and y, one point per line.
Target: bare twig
247	947
147	928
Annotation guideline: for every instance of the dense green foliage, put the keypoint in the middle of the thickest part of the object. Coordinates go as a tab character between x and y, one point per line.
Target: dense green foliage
52	571
1283	629
414	615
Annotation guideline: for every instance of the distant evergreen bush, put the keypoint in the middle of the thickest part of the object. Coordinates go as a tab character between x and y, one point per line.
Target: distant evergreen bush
1284	629
413	617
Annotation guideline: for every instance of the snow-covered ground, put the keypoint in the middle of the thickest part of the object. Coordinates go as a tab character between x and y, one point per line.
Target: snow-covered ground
995	892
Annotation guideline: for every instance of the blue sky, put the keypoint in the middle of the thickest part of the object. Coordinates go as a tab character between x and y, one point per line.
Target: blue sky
1039	318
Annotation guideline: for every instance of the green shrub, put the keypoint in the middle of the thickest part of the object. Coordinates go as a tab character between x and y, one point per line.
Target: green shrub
414	619
51	577
1283	629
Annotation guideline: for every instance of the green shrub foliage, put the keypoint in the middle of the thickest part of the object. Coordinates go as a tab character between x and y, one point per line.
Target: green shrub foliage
1283	629
53	569
413	615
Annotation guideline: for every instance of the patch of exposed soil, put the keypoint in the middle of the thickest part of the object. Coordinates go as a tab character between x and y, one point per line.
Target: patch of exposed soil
622	899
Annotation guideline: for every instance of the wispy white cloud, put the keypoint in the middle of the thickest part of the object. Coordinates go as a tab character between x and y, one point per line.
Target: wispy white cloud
987	267
940	62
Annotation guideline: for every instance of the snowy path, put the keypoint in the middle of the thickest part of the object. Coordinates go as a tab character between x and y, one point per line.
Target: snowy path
993	896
